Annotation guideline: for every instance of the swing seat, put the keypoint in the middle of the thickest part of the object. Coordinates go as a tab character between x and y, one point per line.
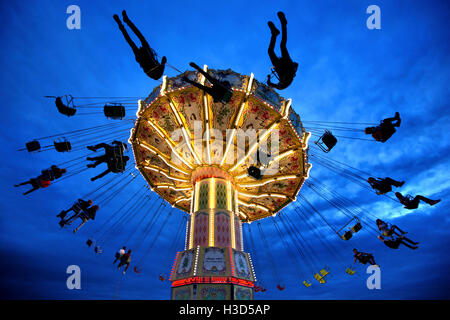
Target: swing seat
114	111
307	283
162	278
33	146
89	242
324	272
350	271
136	270
326	142
319	278
98	250
254	172
62	146
63	109
356	227
281	288
347	235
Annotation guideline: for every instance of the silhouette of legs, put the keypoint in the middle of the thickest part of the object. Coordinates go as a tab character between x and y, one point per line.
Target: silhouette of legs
135	29
125	35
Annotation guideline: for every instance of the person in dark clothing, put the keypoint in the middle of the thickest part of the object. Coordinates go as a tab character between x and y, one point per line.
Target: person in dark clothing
389	230
413	203
285	69
125	260
64	109
36	183
220	91
363	257
395	243
79	205
145	55
53	173
111	150
383	186
88	214
119	254
116	165
385	129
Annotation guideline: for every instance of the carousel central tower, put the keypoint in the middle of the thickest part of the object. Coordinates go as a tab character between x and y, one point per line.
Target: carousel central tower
211	179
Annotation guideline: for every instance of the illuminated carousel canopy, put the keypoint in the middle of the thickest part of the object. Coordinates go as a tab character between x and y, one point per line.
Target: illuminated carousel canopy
182	136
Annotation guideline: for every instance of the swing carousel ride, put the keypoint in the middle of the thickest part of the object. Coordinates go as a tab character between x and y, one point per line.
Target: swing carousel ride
221	165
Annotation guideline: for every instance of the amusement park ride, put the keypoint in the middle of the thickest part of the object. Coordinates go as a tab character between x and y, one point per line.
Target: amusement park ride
187	148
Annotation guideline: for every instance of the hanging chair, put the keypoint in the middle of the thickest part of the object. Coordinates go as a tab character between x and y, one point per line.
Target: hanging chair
162	277
326	142
114	111
62	145
68	108
280	287
89	242
320	276
137	270
98	250
33	146
350	271
347	235
307	284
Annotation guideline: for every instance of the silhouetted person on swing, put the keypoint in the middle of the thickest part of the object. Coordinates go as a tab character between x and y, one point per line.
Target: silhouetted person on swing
36	183
220	91
80	204
385	129
389	230
284	68
383	186
413	203
145	56
395	243
112	151
363	257
115	165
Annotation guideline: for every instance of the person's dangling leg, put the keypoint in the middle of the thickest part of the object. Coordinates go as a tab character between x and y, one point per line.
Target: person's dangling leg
271	50
391	120
284	51
135	29
393	182
82	224
196	84
125	34
104	173
408	240
23	183
29	191
98	146
426	200
126	268
407	245
395	227
204	73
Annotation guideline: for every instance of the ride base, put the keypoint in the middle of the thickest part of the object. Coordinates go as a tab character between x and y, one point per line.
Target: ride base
213	265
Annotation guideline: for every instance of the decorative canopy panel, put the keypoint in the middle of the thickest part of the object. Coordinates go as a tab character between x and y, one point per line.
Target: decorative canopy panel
180	128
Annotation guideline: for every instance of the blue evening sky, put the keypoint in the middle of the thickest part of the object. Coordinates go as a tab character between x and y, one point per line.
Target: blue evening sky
346	73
